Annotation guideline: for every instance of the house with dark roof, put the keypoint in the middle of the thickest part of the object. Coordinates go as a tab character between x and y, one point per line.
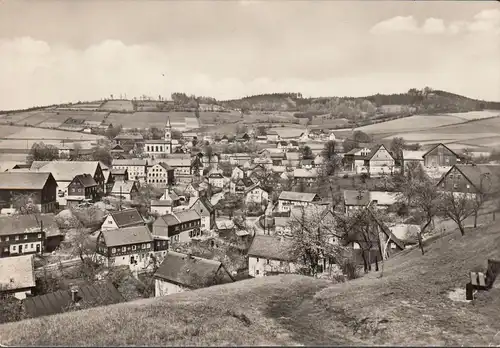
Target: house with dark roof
28	234
128	190
481	179
375	161
160	174
82	187
120	174
216	180
130	246
292	159
359	199
39	188
17	276
178	227
166	203
181	272
83	296
64	172
440	156
123	218
271	255
206	210
136	168
289	199
240	186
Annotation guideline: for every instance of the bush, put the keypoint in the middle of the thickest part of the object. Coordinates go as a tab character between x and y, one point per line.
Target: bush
349	268
345	176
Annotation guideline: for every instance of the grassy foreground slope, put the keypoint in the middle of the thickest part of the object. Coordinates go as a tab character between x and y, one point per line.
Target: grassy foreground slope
409	305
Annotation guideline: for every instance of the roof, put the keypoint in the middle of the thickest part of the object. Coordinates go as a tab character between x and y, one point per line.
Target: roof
413	155
125	186
127	217
187	215
17	272
440	144
66	170
162	203
305	173
356	198
307	162
38	164
161	164
297	196
86	180
203	200
188	270
216	176
287	132
386	230
126	236
96	294
157	141
405	232
271	247
293	155
129	136
130	162
224	224
490	174
23	180
169	219
119	171
375	149
178	161
29	224
383	197
278	169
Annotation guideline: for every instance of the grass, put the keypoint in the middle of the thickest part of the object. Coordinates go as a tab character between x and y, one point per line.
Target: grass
411	123
29	133
117	105
407	306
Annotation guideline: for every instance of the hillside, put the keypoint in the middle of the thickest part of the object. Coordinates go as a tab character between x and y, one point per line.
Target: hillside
409	305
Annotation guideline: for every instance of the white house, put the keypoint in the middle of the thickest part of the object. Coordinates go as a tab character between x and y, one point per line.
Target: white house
205	210
256	194
128	190
181	272
17	276
357	199
238	173
136	168
289	199
269	255
122	219
216	180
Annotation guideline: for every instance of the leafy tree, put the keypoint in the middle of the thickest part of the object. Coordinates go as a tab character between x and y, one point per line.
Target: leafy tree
12	308
229	204
261	131
176	134
76	153
113	131
307	153
102	154
41	152
361	137
396	147
331	160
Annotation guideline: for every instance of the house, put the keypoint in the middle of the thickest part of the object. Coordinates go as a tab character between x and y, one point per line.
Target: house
64	172
289	199
166	203
224	227
380	161
195	189
292	159
117	149
272	136
239	158
88	295
412	157
243	138
160	174
287	133
128	190
17	276
189	136
209	162
121	219
255	194
39	187
265	162
205	210
128	140
216	180
179	227
120	174
354	160
238	173
83	187
180	272
305	176
240	186
270	255
131	246
482	179
136	168
183	167
307	164
354	199
278	158
109	181
440	156
286	146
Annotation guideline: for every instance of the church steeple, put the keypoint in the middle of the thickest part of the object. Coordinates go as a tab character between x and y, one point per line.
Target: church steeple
168	130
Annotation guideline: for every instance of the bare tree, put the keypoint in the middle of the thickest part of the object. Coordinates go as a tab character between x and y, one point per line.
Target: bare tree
25	204
458	206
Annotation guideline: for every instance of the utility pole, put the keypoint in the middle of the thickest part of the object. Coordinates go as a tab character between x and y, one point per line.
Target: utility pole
120	206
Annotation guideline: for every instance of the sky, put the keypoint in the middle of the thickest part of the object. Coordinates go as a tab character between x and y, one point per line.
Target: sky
61	51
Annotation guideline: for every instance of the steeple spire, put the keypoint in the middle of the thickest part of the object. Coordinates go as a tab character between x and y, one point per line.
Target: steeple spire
168	125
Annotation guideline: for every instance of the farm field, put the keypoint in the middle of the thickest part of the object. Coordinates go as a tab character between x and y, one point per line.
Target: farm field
117	105
147	119
28	133
476	115
17	117
412	123
13	157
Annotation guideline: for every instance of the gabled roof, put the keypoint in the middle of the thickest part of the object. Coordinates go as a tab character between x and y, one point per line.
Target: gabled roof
130	162
119	171
190	271
363	198
127	217
298	196
490	175
66	170
23	180
271	247
127	236
440	144
17	272
29	224
386	230
413	155
96	294
187	215
206	203
305	173
375	149
122	187
161	164
293	156
86	180
215	176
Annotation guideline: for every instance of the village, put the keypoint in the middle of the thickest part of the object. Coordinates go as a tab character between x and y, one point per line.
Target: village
168	215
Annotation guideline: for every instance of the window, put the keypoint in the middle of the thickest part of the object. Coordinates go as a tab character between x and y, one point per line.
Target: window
455	186
124	249
17	238
148	245
14	247
7	238
281	263
31	246
6	250
144	246
468	186
267	261
79	190
257	272
110	222
257	259
133	247
25	236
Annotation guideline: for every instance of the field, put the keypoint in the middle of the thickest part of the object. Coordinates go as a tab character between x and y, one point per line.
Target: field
29	133
117	105
148	119
413	301
411	123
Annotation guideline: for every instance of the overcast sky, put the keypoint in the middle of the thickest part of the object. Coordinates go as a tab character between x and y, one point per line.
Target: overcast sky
58	51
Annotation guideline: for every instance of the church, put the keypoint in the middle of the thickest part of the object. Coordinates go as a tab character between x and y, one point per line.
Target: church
160	147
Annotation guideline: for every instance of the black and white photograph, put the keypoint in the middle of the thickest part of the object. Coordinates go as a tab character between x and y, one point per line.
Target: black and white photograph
249	173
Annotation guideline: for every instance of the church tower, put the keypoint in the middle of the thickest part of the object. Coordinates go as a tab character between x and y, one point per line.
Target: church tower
168	136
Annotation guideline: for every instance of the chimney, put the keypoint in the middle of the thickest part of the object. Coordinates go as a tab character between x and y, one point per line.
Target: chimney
74	293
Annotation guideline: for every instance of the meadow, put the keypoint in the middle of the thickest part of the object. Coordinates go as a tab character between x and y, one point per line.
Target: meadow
117	105
29	133
411	123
